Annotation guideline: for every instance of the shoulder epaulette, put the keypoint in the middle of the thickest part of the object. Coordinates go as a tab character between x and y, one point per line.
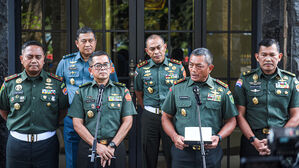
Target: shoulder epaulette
69	55
176	61
221	83
179	81
289	73
141	64
56	77
119	84
11	77
248	72
85	84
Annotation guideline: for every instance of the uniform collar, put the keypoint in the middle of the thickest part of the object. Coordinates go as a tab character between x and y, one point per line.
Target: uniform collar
42	74
208	82
78	56
152	63
276	73
94	83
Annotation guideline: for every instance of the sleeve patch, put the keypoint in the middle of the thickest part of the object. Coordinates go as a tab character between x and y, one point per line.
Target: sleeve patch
64	91
239	83
128	97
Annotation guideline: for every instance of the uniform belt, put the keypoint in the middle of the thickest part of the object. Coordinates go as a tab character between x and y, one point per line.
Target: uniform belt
263	131
32	137
153	109
195	147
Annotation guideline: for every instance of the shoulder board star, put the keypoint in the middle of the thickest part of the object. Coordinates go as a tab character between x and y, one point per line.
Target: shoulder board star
69	55
119	84
179	81
56	77
11	77
289	73
85	84
221	83
248	72
176	61
141	64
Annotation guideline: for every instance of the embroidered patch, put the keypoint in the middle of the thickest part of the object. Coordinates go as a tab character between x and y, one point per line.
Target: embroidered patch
214	97
114	98
239	83
64	91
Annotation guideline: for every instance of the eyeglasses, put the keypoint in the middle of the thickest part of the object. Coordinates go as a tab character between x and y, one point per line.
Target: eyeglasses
99	66
154	48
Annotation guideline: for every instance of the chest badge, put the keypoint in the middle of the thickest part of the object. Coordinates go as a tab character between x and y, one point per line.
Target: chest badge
150	90
17	106
166	68
48	80
72	81
173	68
255	100
255	77
18	87
90	114
183	112
48	104
278	92
19	80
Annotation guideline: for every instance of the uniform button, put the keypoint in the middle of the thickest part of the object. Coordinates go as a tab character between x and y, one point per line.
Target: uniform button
33	85
33	98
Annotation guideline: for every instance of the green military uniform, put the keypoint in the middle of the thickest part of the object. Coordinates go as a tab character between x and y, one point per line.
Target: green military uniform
267	99
217	105
33	105
154	80
116	104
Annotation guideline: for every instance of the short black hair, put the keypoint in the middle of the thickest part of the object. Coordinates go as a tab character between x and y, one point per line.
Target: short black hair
30	43
268	42
96	53
84	30
153	36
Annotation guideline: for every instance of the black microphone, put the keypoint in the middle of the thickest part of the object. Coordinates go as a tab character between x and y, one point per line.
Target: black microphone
196	93
101	90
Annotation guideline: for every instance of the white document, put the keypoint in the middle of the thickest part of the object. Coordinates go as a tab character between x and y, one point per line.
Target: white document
192	134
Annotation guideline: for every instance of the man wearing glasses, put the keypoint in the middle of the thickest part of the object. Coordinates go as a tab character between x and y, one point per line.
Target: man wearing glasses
74	69
115	114
153	78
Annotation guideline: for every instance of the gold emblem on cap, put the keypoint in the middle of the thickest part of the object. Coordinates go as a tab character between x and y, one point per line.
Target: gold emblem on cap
17	106
166	68
90	114
150	90
48	80
48	104
173	68
255	77
72	81
183	112
18	87
255	100
278	92
19	80
286	92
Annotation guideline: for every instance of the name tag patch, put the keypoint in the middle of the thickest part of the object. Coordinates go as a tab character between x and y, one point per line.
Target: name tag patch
114	98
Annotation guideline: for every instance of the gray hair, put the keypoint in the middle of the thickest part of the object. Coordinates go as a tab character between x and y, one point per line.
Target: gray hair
203	52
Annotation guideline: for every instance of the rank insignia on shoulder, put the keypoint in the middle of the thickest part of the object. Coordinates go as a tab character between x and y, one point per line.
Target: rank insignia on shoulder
11	77
179	81
176	61
141	64
289	73
85	84
248	72
119	84
56	77
221	83
69	55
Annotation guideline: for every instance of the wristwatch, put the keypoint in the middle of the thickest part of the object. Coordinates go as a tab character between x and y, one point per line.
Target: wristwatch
251	139
112	145
220	137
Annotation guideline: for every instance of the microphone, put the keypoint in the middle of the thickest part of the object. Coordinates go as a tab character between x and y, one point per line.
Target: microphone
196	93
101	90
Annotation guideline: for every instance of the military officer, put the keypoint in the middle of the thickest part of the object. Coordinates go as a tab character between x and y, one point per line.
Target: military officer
180	111
265	97
74	69
153	79
32	103
115	115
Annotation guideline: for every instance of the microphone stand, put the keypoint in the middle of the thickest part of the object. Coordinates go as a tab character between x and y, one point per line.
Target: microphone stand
198	103
94	144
